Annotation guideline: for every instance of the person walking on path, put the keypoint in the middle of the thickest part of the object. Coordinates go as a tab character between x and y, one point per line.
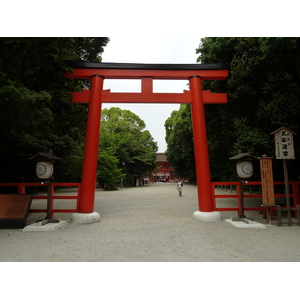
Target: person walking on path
179	188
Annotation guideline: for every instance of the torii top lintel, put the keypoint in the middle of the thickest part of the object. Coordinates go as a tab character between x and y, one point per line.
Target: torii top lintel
84	70
148	72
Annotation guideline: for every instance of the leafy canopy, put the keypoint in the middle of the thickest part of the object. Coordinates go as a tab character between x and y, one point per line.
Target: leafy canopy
125	142
263	91
35	112
179	138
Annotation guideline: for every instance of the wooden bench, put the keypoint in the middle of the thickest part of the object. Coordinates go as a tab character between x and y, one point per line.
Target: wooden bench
14	210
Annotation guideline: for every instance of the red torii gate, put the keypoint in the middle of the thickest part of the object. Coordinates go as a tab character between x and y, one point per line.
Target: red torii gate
194	73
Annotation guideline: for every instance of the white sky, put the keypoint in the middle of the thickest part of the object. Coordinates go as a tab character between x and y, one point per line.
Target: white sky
150	50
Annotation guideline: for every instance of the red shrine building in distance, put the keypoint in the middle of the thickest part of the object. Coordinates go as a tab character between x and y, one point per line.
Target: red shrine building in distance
164	172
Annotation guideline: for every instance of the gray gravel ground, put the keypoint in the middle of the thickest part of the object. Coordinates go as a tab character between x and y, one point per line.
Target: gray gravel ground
151	224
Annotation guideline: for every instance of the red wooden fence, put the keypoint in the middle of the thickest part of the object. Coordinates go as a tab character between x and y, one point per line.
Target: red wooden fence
294	195
21	189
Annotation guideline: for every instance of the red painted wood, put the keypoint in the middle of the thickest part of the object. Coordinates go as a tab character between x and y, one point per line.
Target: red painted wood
194	73
148	97
205	199
88	184
85	73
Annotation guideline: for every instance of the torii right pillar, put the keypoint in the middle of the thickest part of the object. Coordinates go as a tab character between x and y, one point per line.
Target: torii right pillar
205	197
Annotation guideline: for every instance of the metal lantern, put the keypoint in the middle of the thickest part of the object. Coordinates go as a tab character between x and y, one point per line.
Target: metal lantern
44	166
244	169
44	169
244	166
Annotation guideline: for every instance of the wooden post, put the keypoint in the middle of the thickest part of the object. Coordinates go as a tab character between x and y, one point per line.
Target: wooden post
287	192
87	194
205	199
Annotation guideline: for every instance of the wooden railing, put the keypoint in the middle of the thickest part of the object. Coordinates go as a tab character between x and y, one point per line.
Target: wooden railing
252	190
22	186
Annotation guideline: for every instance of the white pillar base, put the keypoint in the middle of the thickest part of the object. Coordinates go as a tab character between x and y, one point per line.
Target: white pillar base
79	218
214	216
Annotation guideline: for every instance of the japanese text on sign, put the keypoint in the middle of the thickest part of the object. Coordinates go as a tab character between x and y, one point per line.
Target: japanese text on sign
284	145
267	181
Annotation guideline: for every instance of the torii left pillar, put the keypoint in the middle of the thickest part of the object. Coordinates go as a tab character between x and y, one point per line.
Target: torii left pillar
86	212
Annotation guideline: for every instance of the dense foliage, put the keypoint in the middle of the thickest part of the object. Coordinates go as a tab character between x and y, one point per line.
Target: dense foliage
127	150
179	138
35	112
263	91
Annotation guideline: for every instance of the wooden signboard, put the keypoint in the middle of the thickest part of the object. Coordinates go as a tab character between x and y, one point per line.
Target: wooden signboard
284	147
14	209
284	144
267	185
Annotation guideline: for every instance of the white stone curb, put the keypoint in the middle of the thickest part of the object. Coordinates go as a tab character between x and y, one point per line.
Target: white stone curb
214	216
79	218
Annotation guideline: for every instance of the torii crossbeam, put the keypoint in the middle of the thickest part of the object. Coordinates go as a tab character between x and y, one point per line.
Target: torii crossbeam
194	73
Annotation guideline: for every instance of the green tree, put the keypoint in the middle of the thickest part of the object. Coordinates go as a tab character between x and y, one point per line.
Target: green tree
35	112
108	172
263	94
179	138
263	91
124	137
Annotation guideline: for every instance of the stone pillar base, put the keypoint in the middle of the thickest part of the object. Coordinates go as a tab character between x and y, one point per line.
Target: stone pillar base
213	216
79	218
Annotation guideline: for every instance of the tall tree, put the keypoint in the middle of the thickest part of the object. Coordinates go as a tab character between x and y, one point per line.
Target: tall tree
123	136
179	138
263	91
35	112
263	94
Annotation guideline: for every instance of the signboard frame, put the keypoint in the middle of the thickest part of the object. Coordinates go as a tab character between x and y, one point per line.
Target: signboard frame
284	143
267	184
284	149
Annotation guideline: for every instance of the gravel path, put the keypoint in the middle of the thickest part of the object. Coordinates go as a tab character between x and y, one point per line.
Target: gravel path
151	224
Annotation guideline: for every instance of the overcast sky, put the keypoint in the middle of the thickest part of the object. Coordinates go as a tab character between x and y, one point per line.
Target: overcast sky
150	50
